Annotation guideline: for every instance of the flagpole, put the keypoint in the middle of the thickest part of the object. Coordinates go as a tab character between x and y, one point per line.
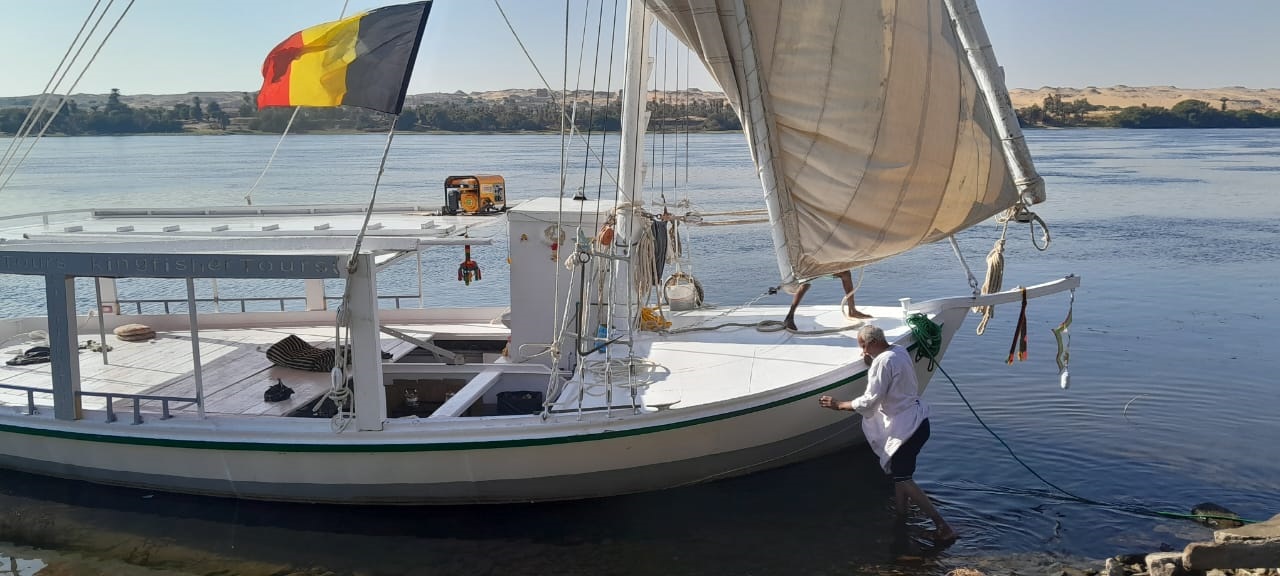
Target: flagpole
368	213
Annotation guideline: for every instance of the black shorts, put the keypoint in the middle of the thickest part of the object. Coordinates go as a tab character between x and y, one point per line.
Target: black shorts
902	465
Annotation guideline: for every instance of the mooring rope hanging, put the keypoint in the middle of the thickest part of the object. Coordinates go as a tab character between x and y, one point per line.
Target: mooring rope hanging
995	277
995	259
922	329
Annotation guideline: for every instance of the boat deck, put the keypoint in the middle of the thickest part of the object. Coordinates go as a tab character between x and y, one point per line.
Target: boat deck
689	369
704	366
235	369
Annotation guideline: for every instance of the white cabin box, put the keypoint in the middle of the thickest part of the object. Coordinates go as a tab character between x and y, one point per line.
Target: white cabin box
542	237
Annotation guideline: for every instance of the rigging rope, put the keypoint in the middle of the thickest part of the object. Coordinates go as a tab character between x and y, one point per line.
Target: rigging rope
591	109
558	100
923	330
63	101
340	389
248	198
995	259
39	105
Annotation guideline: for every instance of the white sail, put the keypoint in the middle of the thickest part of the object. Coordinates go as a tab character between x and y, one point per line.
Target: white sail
869	127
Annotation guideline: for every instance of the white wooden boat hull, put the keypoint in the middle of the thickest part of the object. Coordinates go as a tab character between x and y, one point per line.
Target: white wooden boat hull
503	459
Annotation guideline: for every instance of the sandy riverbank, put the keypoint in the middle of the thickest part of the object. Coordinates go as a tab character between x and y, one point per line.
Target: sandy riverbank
1238	97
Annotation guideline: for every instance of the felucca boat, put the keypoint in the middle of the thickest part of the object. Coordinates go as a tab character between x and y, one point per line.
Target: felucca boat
875	127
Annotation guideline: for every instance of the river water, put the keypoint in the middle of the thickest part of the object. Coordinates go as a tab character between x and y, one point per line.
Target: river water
1173	400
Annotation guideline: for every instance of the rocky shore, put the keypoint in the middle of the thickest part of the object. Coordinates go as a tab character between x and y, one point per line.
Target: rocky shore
1251	550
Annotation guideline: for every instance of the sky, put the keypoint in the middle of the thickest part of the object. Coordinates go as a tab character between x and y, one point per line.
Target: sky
178	46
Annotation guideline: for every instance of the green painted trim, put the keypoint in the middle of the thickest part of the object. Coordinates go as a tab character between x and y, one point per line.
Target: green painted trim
430	447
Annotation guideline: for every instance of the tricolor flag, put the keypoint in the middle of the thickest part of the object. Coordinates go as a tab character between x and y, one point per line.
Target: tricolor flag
364	61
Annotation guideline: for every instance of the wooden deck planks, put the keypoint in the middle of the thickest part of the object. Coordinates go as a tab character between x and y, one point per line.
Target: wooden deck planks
235	369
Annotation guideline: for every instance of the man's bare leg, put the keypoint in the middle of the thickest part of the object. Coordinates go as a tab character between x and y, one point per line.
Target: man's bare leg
790	322
846	278
908	489
901	544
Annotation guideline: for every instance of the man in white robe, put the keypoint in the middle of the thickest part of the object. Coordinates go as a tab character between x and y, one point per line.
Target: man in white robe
895	421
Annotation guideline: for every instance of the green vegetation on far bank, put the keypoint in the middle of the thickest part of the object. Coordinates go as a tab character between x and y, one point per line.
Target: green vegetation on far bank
465	115
542	113
1185	114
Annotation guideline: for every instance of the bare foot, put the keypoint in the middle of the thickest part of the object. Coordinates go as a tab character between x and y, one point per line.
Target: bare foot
854	313
943	537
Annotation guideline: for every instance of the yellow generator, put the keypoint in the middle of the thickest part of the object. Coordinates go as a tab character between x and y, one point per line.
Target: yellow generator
479	194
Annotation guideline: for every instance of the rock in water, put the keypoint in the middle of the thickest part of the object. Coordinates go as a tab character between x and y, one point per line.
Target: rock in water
1220	516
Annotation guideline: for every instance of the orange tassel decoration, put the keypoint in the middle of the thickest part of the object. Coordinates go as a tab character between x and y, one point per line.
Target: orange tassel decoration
468	270
1020	334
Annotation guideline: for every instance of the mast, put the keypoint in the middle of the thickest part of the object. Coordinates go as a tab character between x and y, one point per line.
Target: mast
635	118
990	77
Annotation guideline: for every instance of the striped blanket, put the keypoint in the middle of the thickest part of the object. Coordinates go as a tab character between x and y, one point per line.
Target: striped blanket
294	352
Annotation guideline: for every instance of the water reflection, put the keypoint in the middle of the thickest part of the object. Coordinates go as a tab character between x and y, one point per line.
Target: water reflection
822	516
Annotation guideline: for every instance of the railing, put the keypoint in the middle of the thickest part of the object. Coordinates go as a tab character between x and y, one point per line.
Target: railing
31	396
217	302
396	298
137	403
110	397
137	304
283	210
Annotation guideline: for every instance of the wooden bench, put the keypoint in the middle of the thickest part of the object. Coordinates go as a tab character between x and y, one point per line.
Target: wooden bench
469	394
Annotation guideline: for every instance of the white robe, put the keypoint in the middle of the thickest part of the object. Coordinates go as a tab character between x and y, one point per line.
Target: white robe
891	407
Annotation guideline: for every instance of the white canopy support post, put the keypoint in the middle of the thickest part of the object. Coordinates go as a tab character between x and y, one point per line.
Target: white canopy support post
102	322
366	349
217	300
109	299
64	357
973	37
198	375
315	295
422	302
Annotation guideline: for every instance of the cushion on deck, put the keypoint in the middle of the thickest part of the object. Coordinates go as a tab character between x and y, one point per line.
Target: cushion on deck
134	332
294	352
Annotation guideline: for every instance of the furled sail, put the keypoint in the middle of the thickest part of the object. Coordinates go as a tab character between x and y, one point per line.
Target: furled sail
871	131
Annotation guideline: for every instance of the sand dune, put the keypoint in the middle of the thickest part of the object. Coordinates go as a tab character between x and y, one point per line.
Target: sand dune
1238	97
